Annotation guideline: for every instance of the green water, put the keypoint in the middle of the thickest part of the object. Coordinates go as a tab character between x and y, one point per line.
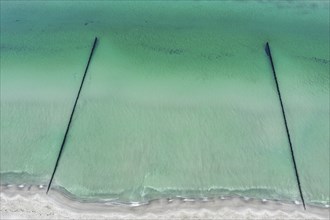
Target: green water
179	99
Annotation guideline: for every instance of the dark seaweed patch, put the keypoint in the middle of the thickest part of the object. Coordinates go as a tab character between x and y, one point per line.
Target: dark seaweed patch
88	22
165	50
313	5
5	47
289	4
319	60
212	57
175	51
35	48
316	59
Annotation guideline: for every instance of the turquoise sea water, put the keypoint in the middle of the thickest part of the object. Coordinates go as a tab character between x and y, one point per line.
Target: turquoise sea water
179	99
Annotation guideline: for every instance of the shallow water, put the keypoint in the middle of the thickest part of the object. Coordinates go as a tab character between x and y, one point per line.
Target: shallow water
179	99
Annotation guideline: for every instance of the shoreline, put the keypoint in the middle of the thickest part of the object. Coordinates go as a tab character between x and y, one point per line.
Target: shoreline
33	202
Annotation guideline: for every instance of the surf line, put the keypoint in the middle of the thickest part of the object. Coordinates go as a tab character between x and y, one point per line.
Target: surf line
72	112
269	54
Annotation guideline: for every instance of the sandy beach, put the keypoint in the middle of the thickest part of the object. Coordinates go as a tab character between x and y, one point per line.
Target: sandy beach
18	202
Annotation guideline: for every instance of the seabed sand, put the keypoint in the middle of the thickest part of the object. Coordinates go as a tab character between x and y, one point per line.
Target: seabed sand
22	202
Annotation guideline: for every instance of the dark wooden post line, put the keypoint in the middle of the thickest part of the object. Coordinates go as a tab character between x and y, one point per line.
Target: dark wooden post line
72	112
268	52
